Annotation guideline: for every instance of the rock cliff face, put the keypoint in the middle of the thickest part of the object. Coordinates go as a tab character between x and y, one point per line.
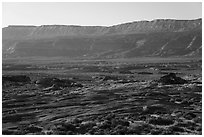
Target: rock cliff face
143	38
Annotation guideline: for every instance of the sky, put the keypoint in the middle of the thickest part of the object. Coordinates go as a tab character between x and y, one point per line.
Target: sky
95	14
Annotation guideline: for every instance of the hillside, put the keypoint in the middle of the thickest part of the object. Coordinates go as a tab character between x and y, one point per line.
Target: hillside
143	38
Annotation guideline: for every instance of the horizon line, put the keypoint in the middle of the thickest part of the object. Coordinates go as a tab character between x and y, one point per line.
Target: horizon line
77	25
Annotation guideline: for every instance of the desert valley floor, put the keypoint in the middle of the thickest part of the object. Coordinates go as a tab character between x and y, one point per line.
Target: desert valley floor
131	96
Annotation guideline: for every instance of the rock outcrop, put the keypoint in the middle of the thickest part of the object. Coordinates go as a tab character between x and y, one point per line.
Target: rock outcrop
16	78
171	78
55	83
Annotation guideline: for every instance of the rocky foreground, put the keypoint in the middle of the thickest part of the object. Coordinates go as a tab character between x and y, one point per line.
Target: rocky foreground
103	105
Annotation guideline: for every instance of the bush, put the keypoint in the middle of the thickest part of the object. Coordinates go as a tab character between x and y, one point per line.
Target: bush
161	121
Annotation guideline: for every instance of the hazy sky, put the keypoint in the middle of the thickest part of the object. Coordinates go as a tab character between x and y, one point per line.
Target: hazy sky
104	14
